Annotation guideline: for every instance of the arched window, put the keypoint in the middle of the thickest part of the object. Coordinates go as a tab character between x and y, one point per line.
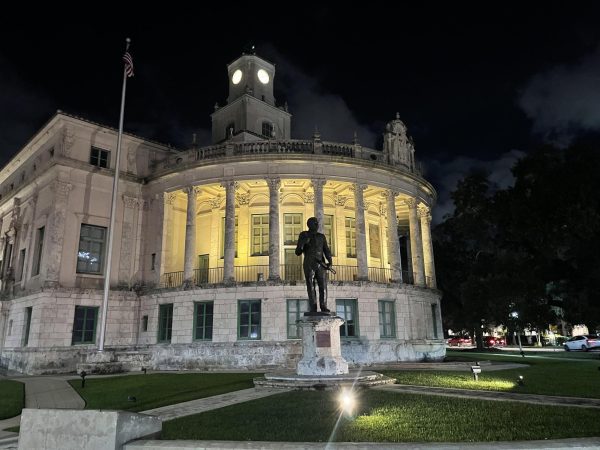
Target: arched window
229	130
268	129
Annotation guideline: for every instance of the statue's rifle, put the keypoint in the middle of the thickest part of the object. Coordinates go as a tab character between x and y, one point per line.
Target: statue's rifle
326	267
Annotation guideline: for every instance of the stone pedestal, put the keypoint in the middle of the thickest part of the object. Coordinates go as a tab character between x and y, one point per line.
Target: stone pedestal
321	351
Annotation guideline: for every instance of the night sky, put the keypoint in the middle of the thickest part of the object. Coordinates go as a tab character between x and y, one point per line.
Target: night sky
478	85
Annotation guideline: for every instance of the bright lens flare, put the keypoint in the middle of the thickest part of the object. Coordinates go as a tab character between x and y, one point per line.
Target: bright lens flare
347	401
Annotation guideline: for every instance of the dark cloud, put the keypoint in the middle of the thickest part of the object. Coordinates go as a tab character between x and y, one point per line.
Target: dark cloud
564	101
446	174
313	106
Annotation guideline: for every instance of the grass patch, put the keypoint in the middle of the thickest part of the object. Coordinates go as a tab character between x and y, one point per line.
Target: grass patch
384	417
160	389
12	394
547	376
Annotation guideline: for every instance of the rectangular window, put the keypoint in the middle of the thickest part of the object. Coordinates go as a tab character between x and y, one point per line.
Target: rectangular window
350	237
203	320
346	309
374	241
260	234
434	320
7	257
165	322
328	232
39	247
28	312
292	226
387	319
144	323
249	319
153	262
84	325
99	157
90	258
21	265
223	237
295	310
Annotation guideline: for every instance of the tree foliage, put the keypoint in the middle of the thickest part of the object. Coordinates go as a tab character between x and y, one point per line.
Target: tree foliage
524	248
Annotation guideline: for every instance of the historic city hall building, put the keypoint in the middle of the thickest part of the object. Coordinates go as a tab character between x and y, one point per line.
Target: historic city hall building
204	273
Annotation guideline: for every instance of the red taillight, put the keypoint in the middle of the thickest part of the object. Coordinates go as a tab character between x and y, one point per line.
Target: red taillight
591	341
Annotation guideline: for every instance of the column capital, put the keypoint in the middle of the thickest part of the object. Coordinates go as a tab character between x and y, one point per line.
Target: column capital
390	193
424	213
318	182
411	202
229	184
273	182
192	189
356	186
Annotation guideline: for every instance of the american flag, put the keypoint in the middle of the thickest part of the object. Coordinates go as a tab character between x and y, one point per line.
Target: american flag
128	64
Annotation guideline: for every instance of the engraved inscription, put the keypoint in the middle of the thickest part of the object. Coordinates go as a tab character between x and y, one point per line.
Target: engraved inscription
323	339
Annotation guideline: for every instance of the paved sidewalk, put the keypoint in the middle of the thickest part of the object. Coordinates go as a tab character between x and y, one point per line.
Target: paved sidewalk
44	392
209	403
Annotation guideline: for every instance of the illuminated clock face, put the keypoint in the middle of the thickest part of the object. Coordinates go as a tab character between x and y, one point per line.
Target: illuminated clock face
237	77
263	76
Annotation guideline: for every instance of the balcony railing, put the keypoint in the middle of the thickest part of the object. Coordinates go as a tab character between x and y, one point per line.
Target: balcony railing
287	272
306	147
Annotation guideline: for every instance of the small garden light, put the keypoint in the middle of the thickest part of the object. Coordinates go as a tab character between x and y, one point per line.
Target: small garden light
144	370
476	370
520	381
83	375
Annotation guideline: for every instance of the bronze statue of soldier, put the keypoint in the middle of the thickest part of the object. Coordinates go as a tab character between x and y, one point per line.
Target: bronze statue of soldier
317	259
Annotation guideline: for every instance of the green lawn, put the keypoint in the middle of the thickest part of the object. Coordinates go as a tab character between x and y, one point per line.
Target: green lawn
548	376
160	389
12	394
384	417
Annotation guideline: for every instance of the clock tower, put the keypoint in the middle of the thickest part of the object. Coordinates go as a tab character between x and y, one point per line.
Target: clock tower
250	113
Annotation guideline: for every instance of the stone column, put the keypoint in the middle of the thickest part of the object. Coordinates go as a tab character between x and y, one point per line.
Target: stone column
274	184
190	238
427	247
56	233
317	184
415	242
361	235
229	254
393	240
166	219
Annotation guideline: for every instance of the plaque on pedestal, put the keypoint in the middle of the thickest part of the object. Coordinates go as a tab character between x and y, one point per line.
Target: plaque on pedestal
321	350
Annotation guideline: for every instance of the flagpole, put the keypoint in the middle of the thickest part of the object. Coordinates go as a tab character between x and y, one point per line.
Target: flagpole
113	208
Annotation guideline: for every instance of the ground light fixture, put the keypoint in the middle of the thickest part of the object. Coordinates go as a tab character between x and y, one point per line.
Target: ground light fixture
347	401
83	375
520	381
476	370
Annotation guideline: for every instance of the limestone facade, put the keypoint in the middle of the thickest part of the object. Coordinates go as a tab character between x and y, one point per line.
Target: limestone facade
204	274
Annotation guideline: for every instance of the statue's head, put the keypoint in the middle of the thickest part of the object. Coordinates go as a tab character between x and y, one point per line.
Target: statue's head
312	224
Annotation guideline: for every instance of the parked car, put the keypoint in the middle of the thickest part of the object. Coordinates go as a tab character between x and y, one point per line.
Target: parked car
583	342
492	341
458	341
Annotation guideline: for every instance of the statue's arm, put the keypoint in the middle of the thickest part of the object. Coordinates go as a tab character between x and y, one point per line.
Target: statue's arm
302	241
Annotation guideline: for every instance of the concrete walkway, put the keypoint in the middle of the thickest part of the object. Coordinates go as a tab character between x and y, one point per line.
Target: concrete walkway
44	392
209	403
